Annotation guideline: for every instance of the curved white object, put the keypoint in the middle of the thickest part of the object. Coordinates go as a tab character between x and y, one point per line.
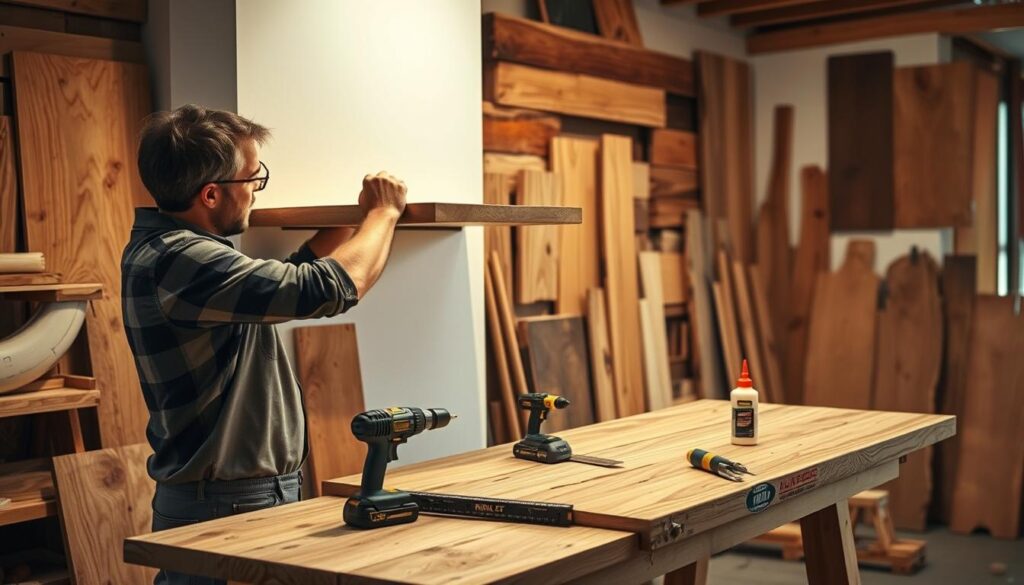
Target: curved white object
32	350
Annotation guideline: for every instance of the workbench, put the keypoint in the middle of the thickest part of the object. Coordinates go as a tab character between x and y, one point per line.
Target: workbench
654	515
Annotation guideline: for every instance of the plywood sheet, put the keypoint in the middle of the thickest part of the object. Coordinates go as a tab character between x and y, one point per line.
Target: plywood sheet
537	253
518	131
860	141
990	472
78	120
810	259
659	384
841	344
932	136
600	356
574	162
673	148
327	359
105	496
559	364
908	357
774	254
620	261
510	84
724	98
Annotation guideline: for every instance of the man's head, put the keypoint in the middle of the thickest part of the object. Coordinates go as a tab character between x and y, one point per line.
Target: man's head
203	164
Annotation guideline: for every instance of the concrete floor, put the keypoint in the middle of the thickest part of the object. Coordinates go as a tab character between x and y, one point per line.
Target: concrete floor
951	559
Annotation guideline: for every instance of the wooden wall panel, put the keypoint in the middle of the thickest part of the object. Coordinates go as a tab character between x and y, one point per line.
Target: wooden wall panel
557	350
860	141
78	121
13	38
327	359
518	131
537	246
574	162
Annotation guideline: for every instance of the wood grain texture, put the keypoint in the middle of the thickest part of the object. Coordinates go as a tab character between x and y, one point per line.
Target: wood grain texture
860	156
441	215
13	38
958	282
983	167
574	162
774	254
29	486
711	384
732	335
673	148
842	332
506	317
499	357
509	164
499	189
908	359
518	131
655	484
327	359
105	496
674	282
732	352
621	272
8	187
616	20
603	374
537	247
300	543
53	293
32	278
50	400
829	547
724	97
506	38
932	136
766	336
510	84
78	121
751	334
673	182
131	10
557	350
810	259
659	386
990	471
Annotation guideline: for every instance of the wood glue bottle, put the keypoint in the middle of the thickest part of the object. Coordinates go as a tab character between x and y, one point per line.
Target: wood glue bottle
745	425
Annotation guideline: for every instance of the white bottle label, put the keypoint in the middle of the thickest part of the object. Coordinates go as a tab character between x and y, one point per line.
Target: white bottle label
743	419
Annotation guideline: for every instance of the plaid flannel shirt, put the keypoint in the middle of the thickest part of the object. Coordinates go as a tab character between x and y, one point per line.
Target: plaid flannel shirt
223	400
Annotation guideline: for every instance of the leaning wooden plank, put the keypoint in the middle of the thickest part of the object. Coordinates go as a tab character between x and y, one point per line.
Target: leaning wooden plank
652	280
105	496
774	254
518	131
842	331
511	164
621	271
499	189
8	188
510	84
506	38
768	338
932	136
130	10
600	356
673	278
557	350
537	247
574	162
495	330
751	334
990	471
673	148
78	120
985	228
673	182
616	20
810	260
860	156
732	336
327	359
958	281
437	215
508	329
726	149
652	374
908	358
731	352
13	38
711	384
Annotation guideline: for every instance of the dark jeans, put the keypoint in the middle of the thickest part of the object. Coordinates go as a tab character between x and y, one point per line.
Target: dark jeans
184	504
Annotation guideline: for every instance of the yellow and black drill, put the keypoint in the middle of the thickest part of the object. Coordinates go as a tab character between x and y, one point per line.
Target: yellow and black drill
383	431
536	446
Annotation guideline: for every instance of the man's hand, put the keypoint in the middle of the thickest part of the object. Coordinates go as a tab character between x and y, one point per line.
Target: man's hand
384	192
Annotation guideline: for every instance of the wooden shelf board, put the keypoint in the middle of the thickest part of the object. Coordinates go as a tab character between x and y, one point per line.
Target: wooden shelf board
53	292
29	484
50	400
25	278
434	215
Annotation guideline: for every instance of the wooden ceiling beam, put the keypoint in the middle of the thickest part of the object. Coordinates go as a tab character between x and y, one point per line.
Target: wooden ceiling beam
720	7
815	11
955	21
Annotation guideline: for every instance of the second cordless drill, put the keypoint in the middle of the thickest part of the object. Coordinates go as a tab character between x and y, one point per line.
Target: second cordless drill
383	431
537	446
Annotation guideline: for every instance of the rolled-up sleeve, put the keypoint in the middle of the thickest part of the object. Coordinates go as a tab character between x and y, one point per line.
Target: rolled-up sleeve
204	283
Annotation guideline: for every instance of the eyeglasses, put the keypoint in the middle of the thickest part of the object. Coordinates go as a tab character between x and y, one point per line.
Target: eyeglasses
259	186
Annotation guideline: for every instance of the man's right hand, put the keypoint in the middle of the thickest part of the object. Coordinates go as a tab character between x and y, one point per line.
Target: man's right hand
382	192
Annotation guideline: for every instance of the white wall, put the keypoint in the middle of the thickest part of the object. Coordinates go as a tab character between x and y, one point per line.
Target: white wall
799	78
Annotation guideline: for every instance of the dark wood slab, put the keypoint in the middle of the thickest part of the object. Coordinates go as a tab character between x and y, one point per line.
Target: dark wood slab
423	215
556	349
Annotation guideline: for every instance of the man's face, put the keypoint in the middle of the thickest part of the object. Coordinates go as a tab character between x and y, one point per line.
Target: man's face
232	217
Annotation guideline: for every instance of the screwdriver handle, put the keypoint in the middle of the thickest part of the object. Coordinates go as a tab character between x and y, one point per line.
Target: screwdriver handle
701	459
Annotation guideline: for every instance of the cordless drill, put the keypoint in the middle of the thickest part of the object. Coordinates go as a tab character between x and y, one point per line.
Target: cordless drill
537	446
383	431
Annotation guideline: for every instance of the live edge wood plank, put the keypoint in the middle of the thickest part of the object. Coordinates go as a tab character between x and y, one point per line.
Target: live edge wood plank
506	38
436	215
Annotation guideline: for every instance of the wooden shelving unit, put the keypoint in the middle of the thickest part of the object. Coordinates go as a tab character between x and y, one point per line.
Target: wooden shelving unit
419	215
49	400
51	293
29	485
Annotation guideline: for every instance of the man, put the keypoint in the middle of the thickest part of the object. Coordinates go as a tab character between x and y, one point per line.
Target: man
226	420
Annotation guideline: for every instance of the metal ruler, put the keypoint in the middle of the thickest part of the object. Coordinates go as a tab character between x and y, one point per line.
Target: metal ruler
494	509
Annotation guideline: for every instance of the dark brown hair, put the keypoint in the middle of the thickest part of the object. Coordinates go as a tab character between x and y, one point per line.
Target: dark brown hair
182	150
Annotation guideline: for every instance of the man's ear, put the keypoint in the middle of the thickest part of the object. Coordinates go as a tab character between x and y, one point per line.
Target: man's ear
209	195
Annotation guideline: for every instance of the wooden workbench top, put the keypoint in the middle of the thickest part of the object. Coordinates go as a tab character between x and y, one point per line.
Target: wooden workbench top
656	493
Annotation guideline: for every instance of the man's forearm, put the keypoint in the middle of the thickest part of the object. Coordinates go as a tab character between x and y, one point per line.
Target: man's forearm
364	255
326	241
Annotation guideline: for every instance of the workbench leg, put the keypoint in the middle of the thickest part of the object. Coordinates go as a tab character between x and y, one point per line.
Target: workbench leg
830	552
692	574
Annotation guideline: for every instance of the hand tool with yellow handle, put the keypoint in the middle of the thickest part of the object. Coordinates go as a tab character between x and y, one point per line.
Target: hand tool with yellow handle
536	446
383	431
716	464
